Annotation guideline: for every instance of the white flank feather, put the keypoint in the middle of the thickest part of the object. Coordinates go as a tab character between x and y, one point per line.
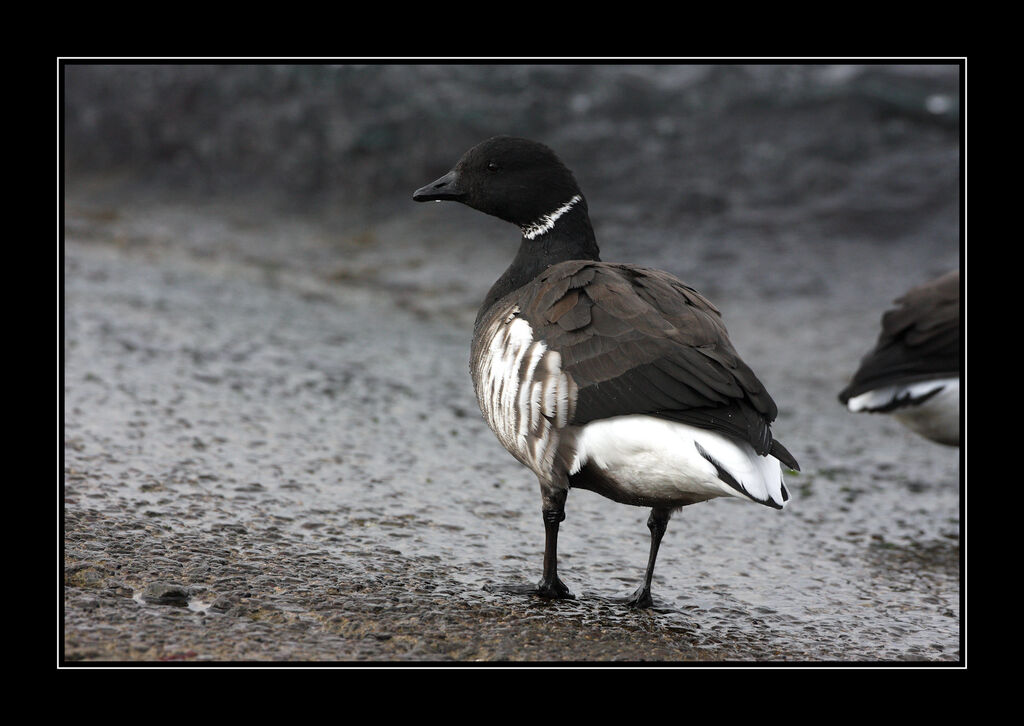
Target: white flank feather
936	418
657	459
525	411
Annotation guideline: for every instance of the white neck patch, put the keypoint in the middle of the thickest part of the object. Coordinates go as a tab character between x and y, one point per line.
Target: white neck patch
547	222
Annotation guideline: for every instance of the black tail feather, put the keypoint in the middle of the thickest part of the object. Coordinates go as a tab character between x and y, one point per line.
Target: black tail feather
782	454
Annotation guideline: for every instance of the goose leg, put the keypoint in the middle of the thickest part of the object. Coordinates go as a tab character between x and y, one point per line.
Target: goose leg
657	523
553	512
550	586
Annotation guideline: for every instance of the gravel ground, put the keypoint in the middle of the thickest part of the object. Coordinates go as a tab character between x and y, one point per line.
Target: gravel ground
272	454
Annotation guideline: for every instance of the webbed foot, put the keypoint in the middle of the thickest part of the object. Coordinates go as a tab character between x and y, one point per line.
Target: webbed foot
553	590
641	598
550	591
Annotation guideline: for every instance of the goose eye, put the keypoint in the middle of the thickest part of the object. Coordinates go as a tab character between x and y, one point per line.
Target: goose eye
492	166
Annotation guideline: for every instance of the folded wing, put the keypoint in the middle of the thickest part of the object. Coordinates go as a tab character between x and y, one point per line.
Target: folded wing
639	341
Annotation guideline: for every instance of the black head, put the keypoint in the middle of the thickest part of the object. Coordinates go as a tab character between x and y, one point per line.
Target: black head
514	179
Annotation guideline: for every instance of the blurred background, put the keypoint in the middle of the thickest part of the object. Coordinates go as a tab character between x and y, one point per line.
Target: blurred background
263	331
690	143
690	167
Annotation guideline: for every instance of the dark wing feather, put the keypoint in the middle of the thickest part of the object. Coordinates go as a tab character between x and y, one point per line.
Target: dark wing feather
639	341
920	339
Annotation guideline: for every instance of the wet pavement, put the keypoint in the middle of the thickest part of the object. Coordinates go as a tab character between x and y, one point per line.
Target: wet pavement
272	453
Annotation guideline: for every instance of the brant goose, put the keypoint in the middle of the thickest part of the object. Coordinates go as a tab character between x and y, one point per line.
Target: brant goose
609	377
913	372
